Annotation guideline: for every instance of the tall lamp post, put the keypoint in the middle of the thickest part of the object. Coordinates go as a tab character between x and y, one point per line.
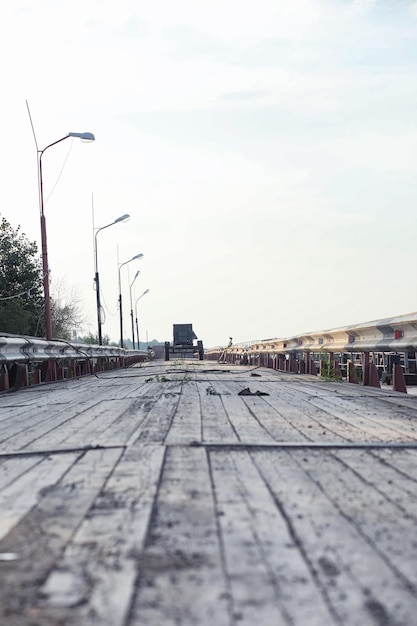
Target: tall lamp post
136	314
131	309
45	268
122	218
137	256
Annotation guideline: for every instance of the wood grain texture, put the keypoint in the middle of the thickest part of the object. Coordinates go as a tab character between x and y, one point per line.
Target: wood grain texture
159	496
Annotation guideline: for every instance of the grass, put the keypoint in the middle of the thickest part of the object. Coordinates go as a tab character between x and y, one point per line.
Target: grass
158	379
210	391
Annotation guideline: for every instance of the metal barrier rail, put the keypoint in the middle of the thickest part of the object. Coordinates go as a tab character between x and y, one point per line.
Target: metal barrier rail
33	349
300	353
30	360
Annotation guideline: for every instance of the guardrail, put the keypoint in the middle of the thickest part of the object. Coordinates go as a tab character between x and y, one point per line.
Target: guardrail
384	350
30	360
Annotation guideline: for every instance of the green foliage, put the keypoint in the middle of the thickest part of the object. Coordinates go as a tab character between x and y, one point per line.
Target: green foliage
21	293
158	378
22	309
210	391
328	370
65	311
92	339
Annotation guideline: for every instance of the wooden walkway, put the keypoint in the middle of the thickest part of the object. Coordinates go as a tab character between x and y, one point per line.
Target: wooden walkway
160	495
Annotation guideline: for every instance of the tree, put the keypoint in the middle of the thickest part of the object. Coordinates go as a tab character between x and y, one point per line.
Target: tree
66	312
92	339
21	299
22	310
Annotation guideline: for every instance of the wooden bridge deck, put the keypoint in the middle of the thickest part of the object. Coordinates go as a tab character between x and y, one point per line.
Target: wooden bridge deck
159	495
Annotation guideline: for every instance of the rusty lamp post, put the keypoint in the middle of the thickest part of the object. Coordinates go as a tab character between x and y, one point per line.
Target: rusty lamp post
122	218
137	256
131	309
136	315
48	318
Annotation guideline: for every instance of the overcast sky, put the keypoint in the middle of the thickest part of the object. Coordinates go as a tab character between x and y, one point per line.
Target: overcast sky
266	152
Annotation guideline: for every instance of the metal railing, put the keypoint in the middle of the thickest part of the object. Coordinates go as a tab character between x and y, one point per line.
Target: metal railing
367	351
31	360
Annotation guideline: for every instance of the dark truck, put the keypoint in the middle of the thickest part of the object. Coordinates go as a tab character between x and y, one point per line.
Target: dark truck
183	344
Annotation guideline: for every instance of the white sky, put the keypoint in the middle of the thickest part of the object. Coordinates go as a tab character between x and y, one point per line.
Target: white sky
266	152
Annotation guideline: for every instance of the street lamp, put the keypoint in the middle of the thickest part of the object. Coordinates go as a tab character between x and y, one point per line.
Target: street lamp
45	268
131	308
122	218
137	256
136	314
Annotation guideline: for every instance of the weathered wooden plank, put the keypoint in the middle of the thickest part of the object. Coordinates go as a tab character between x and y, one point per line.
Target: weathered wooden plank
65	419
11	412
289	537
13	468
377	419
17	498
40	537
394	473
405	404
329	416
55	405
157	423
270	581
35	426
84	426
94	581
216	426
312	424
120	384
88	425
243	415
281	422
403	463
365	491
359	584
186	425
382	400
323	387
182	579
127	424
28	415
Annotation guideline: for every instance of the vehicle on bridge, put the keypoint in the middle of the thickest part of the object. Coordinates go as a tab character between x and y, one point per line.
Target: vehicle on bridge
183	343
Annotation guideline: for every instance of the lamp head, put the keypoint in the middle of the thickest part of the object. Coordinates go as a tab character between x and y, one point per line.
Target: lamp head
83	136
122	218
137	256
